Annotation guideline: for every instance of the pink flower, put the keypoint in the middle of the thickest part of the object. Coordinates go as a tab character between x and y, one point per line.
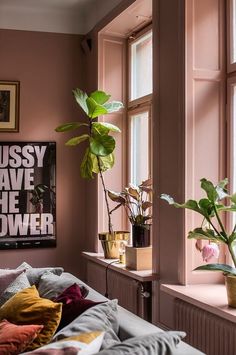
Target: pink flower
210	251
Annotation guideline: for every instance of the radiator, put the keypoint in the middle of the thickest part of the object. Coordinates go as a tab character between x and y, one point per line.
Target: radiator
205	331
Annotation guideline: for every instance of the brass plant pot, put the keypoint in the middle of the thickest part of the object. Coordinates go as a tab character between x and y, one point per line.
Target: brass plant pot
111	243
230	282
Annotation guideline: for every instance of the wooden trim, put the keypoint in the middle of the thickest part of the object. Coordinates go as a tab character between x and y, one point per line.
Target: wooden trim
142	276
231	66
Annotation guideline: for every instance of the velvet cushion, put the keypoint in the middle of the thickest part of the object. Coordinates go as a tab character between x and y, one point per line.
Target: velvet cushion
17	285
7	277
26	307
87	343
73	304
15	338
102	317
51	286
161	343
34	273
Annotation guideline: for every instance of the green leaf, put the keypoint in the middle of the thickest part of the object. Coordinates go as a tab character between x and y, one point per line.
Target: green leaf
106	126
77	140
231	208
95	109
81	98
199	233
97	128
106	162
86	167
190	204
100	97
69	126
210	190
102	145
206	207
218	267
233	198
116	197
113	106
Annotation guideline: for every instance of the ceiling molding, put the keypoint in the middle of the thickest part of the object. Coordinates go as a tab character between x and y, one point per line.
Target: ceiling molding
59	16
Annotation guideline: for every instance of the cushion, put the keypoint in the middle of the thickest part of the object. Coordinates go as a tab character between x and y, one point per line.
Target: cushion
34	274
26	307
51	286
73	304
17	285
15	338
160	343
7	277
102	317
87	343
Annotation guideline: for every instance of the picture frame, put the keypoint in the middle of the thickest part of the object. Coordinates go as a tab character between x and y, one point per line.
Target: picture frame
9	106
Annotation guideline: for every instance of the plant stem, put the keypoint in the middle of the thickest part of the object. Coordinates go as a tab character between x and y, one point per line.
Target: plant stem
219	220
232	253
110	229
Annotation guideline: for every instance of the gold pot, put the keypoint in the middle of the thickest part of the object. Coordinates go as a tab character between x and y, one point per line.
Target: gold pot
111	243
230	282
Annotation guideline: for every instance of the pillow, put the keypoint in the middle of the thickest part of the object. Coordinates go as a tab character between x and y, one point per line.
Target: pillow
160	343
83	344
51	286
17	285
102	317
73	304
34	274
7	277
26	307
15	338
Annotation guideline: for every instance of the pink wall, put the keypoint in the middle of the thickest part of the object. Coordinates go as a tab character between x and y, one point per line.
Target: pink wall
48	67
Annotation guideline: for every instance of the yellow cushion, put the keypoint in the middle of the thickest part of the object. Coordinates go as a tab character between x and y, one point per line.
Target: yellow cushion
26	307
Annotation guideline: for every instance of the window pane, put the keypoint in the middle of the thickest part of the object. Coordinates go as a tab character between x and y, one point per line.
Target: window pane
234	135
139	148
141	67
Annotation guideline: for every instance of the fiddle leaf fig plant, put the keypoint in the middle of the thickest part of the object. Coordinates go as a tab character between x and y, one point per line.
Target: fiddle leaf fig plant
213	229
99	143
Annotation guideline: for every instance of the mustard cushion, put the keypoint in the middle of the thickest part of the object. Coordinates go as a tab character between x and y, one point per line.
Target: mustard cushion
26	307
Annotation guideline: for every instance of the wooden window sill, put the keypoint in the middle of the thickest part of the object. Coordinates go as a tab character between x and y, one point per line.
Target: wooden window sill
142	276
212	298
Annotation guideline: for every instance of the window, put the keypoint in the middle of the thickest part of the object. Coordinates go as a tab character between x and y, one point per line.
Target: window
139	106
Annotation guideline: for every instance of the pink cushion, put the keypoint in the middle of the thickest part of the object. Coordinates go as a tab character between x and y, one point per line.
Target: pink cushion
7	277
14	339
73	304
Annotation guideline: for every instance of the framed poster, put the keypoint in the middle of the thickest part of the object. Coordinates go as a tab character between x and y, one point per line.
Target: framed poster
9	106
27	195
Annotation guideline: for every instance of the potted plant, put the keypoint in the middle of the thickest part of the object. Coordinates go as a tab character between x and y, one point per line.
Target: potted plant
137	203
213	229
99	151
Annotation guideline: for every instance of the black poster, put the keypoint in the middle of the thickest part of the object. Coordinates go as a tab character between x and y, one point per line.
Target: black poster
27	195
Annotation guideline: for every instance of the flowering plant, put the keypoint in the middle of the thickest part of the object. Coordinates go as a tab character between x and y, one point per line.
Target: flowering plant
212	228
136	201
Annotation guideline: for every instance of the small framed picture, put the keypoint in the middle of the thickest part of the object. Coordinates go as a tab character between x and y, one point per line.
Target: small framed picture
9	106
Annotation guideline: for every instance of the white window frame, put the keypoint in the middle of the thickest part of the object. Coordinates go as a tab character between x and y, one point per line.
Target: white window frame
137	106
231	31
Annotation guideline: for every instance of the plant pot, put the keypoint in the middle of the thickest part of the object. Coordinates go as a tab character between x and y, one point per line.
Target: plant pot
111	243
141	235
230	282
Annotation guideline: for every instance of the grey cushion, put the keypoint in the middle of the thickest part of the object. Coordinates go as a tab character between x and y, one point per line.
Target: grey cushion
50	286
101	317
34	274
152	344
17	285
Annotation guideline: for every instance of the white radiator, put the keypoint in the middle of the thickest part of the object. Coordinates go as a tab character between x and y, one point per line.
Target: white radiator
205	331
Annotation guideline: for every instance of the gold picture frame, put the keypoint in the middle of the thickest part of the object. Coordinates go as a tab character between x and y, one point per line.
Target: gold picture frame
9	106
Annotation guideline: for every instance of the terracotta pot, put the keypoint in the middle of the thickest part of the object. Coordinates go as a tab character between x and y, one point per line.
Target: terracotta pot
230	282
141	235
111	243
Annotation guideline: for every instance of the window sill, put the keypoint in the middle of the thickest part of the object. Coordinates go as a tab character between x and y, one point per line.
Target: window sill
212	298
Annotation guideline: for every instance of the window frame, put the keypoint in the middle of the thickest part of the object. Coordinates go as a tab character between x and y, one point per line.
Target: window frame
231	31
139	105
